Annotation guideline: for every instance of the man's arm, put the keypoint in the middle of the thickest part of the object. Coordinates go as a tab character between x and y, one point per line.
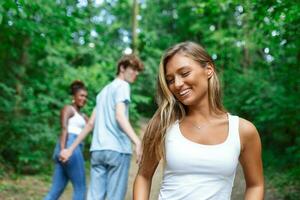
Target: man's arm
127	128
66	153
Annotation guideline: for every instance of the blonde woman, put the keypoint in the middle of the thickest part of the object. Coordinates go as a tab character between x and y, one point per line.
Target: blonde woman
198	140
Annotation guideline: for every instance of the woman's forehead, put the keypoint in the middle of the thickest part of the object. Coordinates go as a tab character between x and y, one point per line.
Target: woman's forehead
179	62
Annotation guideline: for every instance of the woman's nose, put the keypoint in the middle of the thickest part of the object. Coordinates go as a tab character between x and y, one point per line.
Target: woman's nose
178	82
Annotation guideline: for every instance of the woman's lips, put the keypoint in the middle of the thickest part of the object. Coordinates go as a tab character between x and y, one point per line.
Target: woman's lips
184	93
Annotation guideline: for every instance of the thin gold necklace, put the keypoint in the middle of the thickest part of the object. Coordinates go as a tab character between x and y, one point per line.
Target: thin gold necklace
199	127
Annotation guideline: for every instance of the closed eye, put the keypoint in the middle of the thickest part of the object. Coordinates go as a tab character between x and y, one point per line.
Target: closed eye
170	81
185	74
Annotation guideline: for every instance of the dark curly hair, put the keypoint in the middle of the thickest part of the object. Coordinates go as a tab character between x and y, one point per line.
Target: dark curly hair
76	86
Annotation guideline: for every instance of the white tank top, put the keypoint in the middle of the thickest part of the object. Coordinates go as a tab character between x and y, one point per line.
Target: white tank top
76	123
200	172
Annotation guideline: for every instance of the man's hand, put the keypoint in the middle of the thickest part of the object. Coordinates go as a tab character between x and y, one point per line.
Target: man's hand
64	155
138	151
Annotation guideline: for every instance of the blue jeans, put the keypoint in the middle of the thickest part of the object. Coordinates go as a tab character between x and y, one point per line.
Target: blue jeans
72	170
109	175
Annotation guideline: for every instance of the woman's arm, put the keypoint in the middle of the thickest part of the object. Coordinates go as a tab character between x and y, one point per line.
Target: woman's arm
143	180
65	114
251	161
66	153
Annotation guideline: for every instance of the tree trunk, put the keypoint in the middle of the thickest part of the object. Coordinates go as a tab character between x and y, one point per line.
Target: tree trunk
21	74
135	12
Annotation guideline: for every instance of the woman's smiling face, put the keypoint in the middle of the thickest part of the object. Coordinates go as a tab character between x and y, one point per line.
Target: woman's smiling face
187	79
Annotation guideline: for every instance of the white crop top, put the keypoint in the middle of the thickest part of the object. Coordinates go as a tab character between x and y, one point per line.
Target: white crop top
200	172
76	123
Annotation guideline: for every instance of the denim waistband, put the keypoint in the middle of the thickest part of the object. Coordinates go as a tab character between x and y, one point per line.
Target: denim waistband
72	135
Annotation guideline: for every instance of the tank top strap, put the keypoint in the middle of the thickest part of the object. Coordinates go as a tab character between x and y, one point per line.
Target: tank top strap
75	111
234	131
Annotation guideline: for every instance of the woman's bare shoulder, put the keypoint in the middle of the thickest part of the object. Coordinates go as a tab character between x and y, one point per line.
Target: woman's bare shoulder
67	109
248	131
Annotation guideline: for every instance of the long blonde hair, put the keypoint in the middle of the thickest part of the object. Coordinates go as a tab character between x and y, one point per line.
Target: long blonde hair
169	109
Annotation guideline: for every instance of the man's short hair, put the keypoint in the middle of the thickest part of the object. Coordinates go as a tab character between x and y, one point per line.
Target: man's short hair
132	61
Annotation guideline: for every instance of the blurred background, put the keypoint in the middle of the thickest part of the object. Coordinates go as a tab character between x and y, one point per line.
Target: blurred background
46	44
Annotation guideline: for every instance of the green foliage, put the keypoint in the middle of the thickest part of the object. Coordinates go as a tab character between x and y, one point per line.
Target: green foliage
45	45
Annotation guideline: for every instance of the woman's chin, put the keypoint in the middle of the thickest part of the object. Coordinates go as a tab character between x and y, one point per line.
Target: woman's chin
186	101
